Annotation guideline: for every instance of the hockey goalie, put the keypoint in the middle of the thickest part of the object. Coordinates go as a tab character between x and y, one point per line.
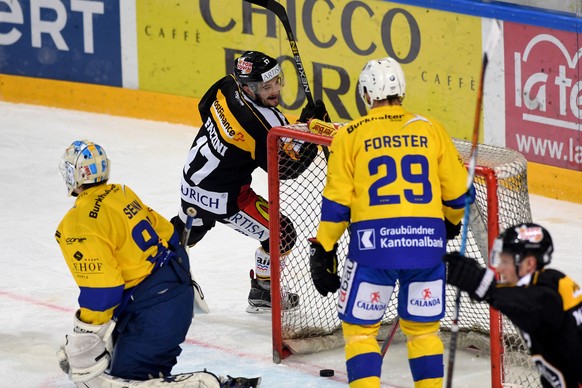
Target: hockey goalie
136	292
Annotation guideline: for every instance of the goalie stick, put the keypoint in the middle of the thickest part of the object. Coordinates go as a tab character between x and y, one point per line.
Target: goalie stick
281	13
190	214
200	305
494	35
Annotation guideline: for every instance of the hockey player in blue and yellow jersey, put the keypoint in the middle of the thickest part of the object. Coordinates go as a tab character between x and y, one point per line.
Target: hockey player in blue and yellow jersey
122	254
396	179
136	296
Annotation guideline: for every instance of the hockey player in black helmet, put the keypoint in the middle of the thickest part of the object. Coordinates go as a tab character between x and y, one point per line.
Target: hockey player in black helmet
237	113
260	76
545	304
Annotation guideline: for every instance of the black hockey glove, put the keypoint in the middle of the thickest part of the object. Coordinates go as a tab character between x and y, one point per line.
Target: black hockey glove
469	276
316	111
452	229
323	266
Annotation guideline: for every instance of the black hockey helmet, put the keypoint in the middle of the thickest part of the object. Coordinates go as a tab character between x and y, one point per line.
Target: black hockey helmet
254	66
522	240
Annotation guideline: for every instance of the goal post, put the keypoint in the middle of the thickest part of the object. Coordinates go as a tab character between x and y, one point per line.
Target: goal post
502	200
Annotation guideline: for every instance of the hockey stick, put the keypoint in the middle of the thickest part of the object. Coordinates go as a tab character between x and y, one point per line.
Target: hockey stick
390	336
200	305
494	35
281	13
190	214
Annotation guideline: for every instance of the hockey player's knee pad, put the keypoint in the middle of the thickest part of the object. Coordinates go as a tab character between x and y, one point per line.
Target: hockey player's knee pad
415	329
360	339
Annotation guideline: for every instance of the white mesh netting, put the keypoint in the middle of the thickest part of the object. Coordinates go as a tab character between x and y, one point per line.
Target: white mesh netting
315	326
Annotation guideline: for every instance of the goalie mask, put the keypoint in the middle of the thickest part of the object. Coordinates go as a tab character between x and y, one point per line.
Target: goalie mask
84	162
380	79
254	68
521	241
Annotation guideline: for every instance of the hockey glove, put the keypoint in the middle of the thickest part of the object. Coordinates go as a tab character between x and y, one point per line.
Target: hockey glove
87	351
452	229
323	266
469	276
317	111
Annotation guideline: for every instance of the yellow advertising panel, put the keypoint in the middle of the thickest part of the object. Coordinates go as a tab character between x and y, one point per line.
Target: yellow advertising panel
183	47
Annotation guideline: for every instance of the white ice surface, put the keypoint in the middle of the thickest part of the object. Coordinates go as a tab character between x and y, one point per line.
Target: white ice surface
38	295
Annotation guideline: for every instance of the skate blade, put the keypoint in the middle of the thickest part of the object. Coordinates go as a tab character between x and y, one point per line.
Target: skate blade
262	310
257	310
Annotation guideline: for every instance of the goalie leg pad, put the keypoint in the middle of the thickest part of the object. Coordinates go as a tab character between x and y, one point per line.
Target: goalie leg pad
202	379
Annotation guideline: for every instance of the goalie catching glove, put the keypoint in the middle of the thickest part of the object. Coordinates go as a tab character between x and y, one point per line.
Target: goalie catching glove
87	351
467	275
323	266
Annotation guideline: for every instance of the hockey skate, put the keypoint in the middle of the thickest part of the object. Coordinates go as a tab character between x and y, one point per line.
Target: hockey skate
260	297
240	382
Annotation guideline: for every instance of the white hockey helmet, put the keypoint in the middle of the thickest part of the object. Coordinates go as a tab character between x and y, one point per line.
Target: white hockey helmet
380	79
84	162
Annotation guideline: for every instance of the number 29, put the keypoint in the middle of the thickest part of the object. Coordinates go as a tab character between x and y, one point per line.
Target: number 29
413	176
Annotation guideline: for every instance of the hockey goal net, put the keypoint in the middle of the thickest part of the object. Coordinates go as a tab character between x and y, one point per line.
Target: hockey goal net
502	200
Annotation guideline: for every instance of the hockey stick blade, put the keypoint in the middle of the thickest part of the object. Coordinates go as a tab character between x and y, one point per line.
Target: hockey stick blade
493	38
281	13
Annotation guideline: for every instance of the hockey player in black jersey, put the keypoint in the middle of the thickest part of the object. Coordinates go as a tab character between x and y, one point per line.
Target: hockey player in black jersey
237	113
545	304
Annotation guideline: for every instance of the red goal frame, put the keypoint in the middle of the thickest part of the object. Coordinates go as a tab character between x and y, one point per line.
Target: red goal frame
281	352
